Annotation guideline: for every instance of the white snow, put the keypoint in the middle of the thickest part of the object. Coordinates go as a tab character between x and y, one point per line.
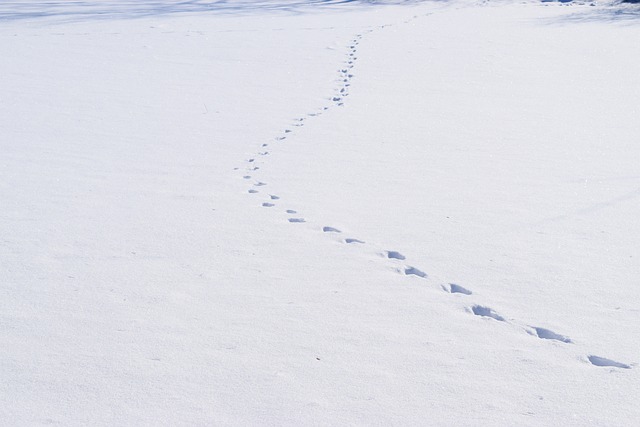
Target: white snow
290	212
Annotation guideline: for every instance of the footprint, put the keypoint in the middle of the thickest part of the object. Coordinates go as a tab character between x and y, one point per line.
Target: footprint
264	153
336	98
281	138
546	334
260	184
287	131
331	230
265	145
268	205
412	271
395	255
457	289
247	177
252	191
296	220
251	160
601	361
479	310
353	241
274	197
291	211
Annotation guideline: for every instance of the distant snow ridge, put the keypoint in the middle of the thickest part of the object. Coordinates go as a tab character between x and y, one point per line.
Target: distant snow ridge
109	9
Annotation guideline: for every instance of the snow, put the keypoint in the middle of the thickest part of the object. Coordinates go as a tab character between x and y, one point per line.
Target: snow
319	213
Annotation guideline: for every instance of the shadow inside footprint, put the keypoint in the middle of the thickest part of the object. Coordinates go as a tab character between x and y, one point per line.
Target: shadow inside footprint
601	361
546	334
479	310
296	220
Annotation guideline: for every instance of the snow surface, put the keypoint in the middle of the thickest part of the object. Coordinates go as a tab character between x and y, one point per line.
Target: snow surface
319	213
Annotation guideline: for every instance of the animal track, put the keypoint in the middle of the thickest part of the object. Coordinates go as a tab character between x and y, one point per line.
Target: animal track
479	310
395	255
601	361
337	99
457	289
353	241
546	334
412	271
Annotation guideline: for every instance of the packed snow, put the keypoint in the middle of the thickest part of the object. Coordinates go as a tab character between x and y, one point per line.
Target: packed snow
288	212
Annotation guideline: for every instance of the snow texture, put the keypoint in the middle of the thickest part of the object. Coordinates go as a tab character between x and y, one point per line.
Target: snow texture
287	212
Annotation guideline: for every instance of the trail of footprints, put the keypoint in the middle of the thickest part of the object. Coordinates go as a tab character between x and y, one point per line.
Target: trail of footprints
337	100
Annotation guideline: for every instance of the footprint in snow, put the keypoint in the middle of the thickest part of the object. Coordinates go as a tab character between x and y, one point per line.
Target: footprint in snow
479	310
274	197
395	255
353	241
546	334
291	211
260	184
412	271
268	205
296	220
457	289
330	230
247	177
601	361
252	191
